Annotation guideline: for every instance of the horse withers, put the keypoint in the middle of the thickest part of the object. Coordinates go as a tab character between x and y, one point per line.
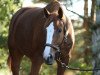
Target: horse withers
43	35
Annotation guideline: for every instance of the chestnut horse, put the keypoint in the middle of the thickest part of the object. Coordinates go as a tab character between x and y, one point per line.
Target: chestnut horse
39	33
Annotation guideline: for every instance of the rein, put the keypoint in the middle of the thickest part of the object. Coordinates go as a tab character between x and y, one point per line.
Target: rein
78	69
57	48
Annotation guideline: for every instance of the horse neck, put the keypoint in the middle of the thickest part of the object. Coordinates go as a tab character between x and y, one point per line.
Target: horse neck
53	6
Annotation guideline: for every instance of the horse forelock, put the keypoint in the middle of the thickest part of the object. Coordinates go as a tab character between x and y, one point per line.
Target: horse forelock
53	6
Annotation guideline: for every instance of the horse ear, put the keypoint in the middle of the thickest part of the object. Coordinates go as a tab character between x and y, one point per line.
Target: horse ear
60	13
46	13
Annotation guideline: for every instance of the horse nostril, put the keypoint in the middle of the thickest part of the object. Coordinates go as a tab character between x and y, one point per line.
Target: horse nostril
51	57
50	60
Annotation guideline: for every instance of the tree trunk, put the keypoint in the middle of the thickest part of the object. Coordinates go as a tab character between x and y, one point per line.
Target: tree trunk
87	50
93	11
96	36
85	23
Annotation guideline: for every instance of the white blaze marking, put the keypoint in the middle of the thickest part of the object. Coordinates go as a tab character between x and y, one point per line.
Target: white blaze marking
50	31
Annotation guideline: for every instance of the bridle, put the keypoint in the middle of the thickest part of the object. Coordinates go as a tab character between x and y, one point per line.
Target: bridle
57	48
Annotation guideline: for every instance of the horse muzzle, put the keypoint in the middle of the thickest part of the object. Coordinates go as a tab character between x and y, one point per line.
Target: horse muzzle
49	55
49	60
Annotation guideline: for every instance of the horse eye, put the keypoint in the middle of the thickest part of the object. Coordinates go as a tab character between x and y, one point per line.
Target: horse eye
59	30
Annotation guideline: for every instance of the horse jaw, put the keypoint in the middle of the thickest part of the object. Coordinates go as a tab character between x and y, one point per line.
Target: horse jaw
48	55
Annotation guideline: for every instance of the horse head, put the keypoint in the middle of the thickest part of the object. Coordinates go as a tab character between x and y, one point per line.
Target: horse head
56	30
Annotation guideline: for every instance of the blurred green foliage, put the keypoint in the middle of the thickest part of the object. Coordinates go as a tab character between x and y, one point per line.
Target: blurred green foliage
7	9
